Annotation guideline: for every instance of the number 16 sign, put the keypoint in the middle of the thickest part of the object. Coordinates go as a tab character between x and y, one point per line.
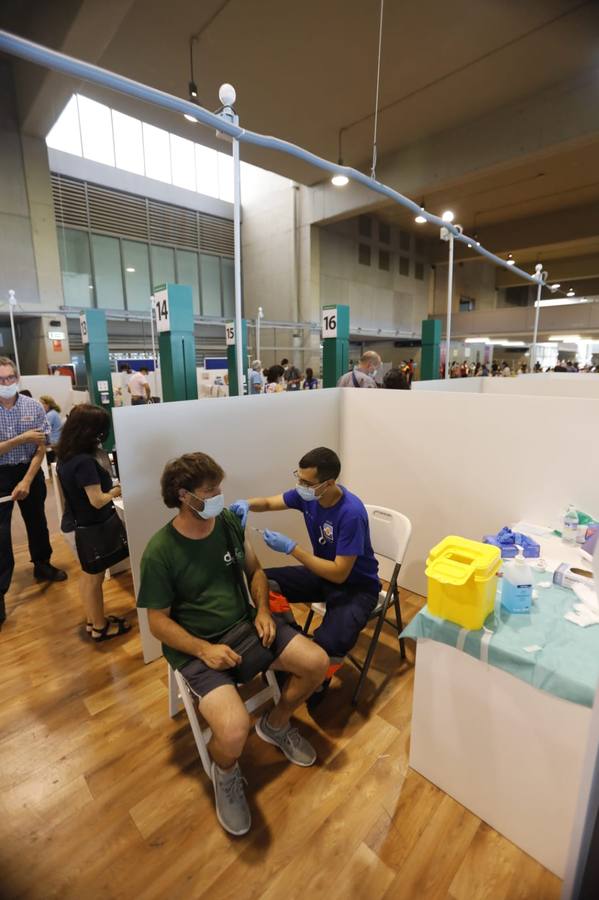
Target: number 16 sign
329	322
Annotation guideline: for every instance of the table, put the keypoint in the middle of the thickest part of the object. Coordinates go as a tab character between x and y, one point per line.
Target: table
510	751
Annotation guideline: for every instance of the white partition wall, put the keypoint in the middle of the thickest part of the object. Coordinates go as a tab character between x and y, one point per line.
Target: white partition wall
257	440
547	384
468	463
58	386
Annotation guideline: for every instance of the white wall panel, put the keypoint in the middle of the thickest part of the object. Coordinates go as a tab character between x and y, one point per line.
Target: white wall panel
257	440
465	463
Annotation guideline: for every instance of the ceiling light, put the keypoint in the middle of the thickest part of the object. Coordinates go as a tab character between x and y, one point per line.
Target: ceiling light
510	260
571	293
565	338
478	340
420	219
555	287
339	180
469	245
560	301
129	269
448	216
189	118
193	89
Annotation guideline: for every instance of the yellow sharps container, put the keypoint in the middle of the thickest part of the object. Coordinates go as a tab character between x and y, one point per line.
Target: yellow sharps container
462	581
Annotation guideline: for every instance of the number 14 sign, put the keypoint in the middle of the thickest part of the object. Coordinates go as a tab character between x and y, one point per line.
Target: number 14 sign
161	311
329	322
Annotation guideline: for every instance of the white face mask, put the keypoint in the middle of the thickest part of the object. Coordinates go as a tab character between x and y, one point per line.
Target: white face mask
8	391
213	506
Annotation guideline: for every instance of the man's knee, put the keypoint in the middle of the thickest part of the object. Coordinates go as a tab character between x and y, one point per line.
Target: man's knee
314	660
232	733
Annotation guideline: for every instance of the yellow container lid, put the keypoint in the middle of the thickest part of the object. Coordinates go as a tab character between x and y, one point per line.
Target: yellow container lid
456	559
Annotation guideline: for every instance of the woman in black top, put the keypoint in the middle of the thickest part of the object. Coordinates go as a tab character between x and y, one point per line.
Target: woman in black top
88	491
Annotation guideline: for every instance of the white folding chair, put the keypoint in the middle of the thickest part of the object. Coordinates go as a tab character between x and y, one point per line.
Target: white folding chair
390	533
179	693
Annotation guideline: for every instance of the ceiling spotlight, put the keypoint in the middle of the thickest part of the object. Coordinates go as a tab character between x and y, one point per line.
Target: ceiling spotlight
130	269
193	90
189	118
420	218
510	260
448	216
554	287
571	293
339	180
469	246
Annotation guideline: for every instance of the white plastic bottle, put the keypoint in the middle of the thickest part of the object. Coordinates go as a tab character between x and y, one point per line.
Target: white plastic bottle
570	525
516	585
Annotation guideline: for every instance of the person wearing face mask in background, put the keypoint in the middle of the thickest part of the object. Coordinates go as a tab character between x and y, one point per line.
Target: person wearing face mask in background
190	584
23	436
88	490
341	571
363	375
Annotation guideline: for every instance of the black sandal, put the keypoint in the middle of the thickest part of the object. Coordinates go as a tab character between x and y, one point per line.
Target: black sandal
89	627
123	628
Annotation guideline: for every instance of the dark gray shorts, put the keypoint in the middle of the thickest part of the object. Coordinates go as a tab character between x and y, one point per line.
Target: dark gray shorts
202	679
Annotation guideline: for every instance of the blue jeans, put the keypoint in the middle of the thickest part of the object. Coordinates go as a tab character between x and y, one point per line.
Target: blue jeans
348	607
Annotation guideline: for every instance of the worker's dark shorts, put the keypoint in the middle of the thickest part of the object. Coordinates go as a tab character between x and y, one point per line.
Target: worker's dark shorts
202	679
348	607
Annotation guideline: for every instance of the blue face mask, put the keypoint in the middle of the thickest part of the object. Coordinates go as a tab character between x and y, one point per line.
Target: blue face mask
213	506
306	493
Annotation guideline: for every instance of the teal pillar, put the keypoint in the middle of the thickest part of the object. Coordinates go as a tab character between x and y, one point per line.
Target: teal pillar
431	342
173	309
231	341
94	337
335	341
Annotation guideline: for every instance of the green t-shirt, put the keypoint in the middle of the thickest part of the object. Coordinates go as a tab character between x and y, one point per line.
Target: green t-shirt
197	579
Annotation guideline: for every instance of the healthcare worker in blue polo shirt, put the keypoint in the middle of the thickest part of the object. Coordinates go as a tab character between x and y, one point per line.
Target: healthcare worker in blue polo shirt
342	570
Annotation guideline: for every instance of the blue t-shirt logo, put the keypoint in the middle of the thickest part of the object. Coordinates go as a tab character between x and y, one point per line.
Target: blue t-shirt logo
328	531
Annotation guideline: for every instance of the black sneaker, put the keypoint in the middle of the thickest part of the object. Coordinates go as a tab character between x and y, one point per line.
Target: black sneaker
45	571
318	696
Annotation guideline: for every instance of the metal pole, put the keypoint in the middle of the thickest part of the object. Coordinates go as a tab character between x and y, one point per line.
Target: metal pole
153	331
237	259
533	352
449	303
11	305
258	324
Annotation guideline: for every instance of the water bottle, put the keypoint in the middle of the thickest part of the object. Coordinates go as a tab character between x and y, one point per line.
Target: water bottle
570	525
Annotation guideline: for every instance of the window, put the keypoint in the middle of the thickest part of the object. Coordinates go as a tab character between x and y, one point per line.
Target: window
467	304
187	273
96	131
384	260
157	153
364	254
419	247
365	226
404	265
225	177
419	271
384	233
108	273
210	280
206	171
183	163
65	134
128	143
228	277
137	275
163	265
75	263
404	241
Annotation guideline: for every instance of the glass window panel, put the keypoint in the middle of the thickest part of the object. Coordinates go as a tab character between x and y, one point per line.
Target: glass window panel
75	264
183	163
137	275
157	153
206	170
187	273
210	275
225	178
65	134
163	265
96	130
108	273
228	273
128	143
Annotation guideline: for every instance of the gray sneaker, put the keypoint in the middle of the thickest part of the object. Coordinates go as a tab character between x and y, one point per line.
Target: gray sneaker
295	747
232	810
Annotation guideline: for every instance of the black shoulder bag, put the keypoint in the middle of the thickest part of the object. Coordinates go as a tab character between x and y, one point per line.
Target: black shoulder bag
243	637
99	546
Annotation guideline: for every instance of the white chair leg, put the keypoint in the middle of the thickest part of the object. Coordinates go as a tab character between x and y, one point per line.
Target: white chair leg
174	700
201	737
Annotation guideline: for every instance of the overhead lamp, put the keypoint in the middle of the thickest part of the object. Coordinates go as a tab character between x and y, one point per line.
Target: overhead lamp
571	293
420	218
560	301
448	216
193	89
130	269
340	180
478	340
510	260
189	117
565	338
555	287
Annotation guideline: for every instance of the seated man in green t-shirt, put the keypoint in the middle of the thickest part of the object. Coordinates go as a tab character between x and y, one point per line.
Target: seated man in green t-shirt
191	589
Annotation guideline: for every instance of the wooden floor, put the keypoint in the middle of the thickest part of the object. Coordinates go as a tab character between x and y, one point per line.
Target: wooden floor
103	796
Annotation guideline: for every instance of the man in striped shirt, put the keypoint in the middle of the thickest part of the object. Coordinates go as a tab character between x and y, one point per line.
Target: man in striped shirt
23	433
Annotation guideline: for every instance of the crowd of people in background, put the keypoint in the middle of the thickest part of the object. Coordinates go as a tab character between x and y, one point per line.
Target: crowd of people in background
365	373
503	369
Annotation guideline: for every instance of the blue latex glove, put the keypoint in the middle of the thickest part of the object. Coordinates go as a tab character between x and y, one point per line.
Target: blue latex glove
279	542
241	509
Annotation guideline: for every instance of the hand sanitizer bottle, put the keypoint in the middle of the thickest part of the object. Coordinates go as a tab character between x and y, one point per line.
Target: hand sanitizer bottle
516	585
570	526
